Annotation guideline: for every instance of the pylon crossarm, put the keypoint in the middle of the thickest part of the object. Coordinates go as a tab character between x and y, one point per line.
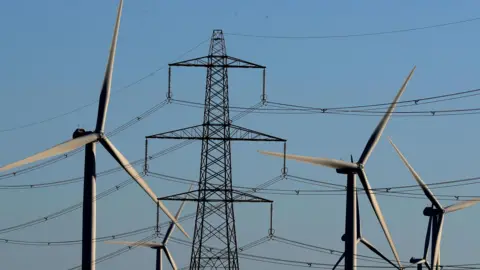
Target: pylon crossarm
247	134
192	196
237	133
207	61
192	133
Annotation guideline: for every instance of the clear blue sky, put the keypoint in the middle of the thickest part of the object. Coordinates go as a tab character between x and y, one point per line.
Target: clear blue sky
53	55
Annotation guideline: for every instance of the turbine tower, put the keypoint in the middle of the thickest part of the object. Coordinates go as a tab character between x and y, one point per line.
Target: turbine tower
89	139
436	218
352	169
215	223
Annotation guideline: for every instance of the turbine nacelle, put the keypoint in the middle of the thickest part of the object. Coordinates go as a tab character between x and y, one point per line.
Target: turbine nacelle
157	247
79	132
350	170
416	260
432	211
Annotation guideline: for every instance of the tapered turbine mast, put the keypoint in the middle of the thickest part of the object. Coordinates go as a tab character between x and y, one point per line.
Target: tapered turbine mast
436	214
158	247
351	169
89	139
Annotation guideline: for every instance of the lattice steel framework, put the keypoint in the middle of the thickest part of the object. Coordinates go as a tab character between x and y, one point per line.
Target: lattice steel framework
215	218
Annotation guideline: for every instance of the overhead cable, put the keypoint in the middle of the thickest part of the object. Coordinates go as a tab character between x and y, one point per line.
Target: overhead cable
75	242
115	188
114	132
365	34
96	101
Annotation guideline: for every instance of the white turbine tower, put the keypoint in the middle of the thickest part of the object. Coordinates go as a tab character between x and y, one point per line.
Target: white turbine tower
436	218
351	169
89	139
158	247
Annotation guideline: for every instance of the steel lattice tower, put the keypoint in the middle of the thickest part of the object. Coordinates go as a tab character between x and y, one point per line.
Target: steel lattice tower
215	218
216	167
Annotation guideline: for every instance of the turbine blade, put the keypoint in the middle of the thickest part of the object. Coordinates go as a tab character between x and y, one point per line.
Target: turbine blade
427	238
171	228
378	212
327	162
437	244
339	260
134	174
461	205
377	133
424	187
170	258
127	167
140	244
107	81
376	251
58	149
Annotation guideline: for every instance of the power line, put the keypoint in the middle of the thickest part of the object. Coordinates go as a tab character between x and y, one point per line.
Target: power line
119	252
96	101
106	193
65	210
112	133
404	103
121	185
339	190
241	254
434	185
292	242
306	264
324	249
357	34
430	113
97	197
186	217
115	169
298	111
286	108
75	242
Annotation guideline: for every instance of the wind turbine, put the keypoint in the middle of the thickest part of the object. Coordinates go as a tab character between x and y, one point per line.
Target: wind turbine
89	140
436	219
351	169
158	247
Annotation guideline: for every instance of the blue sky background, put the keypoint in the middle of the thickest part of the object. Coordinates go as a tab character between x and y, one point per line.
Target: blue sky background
53	55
